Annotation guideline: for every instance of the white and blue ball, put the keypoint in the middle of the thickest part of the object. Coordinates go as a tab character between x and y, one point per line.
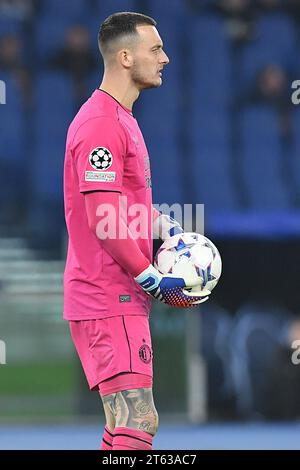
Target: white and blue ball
193	257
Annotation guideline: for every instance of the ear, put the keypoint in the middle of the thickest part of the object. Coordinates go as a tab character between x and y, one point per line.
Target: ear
125	58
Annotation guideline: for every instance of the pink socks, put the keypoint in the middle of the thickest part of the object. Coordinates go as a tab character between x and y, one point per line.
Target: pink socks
107	440
126	439
131	439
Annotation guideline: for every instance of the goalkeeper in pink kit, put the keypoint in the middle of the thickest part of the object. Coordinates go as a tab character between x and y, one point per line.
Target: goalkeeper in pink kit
109	278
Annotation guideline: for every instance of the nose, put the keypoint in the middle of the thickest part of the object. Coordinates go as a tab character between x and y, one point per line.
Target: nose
164	59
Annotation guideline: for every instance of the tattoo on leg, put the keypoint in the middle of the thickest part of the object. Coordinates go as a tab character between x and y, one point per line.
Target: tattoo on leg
109	410
109	402
135	409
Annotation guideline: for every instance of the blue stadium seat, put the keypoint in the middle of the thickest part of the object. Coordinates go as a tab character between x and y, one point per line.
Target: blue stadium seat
13	143
9	26
206	92
211	170
293	159
50	35
93	26
275	43
208	122
277	28
205	3
105	8
94	80
161	11
210	125
158	116
12	139
262	160
54	111
54	91
75	11
209	55
167	178
213	180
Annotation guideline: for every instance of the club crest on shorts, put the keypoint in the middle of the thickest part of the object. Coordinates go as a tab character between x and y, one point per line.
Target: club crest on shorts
100	158
145	354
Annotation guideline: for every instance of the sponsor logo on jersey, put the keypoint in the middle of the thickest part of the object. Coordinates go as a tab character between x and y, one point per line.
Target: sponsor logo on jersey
100	176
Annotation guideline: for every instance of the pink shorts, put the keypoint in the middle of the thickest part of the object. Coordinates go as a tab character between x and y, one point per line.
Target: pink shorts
113	346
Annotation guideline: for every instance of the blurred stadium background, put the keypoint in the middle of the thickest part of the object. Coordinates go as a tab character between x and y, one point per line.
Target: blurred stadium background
222	130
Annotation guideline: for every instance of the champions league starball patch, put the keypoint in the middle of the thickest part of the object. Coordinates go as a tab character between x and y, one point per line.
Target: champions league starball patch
100	158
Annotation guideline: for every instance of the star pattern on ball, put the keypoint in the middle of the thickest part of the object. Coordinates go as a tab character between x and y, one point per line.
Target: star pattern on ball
100	158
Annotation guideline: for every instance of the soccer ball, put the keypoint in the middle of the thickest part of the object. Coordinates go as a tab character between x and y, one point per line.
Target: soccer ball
194	258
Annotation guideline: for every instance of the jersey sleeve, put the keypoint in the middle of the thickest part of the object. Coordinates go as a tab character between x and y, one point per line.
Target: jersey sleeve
99	148
125	251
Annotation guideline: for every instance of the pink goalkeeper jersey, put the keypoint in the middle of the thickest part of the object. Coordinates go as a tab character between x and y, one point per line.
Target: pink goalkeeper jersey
105	150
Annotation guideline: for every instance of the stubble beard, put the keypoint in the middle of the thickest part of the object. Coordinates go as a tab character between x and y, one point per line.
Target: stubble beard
140	80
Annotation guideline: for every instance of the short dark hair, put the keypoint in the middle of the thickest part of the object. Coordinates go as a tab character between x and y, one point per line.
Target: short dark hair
120	24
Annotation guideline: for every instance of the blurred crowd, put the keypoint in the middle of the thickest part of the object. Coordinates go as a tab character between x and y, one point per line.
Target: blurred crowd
74	57
241	15
29	47
78	57
253	361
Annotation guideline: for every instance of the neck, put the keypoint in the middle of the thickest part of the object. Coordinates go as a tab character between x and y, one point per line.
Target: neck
121	88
